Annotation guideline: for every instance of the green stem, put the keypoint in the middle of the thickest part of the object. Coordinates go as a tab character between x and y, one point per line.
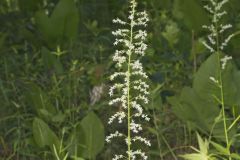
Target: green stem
223	102
128	85
129	108
221	89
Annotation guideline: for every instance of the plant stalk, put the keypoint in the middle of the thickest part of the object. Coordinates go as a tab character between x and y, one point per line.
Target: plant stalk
128	85
221	89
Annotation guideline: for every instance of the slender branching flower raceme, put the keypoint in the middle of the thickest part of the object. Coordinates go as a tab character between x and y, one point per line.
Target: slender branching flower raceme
130	90
216	46
216	29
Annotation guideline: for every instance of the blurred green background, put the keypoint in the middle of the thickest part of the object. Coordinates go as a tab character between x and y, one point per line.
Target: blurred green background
55	60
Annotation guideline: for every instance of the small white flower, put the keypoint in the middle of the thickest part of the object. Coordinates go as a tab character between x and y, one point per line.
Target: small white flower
117	74
211	39
208	46
119	21
214	80
135	128
140	73
216	28
209	9
130	91
225	27
145	117
224	61
137	65
219	15
117	157
121	32
141	35
115	86
143	98
137	153
119	115
144	140
139	109
225	43
113	135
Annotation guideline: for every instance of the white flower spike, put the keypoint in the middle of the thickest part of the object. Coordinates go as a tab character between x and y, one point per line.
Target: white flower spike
216	28
130	90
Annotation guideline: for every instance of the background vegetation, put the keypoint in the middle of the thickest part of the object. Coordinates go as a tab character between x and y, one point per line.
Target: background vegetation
54	68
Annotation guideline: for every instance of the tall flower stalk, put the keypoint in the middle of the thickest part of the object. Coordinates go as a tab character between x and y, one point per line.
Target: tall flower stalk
216	45
129	91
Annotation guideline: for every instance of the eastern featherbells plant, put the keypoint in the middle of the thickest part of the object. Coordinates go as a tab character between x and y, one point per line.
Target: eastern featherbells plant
130	90
216	45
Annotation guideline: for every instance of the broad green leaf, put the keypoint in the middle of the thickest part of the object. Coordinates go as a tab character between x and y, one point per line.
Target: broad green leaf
198	112
65	18
30	5
48	33
202	109
192	13
77	141
43	135
94	135
207	89
202	84
62	25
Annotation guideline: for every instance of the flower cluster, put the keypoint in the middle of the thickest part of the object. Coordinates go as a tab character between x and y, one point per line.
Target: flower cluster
216	28
224	61
131	90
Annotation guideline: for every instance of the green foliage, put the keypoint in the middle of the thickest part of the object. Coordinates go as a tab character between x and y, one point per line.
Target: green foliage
202	109
192	12
87	138
171	33
206	89
54	52
39	101
43	135
61	26
77	141
202	153
30	5
2	39
51	61
199	113
94	135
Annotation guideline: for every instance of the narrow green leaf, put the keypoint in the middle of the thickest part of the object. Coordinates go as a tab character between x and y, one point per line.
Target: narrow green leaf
220	148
